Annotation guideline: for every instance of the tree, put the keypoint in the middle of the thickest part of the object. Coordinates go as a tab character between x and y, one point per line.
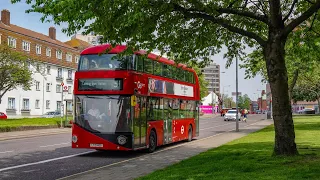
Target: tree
191	29
244	102
228	101
308	86
14	71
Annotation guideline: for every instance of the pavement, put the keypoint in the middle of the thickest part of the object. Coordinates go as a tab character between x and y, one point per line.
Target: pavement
50	156
32	133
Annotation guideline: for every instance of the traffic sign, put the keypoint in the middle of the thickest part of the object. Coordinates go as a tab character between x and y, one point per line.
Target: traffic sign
65	88
234	93
62	84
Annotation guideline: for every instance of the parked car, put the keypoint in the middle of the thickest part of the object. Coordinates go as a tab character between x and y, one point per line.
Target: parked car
309	111
52	114
3	116
232	115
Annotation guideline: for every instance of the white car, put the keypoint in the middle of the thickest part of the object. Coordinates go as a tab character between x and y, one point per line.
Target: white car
231	115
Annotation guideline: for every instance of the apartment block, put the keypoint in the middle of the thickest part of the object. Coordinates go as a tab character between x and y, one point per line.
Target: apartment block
57	61
212	76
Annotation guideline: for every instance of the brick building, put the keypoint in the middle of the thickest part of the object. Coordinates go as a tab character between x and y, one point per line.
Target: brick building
262	101
58	61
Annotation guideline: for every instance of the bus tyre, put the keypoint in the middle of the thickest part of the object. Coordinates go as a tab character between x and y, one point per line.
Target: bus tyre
152	141
190	134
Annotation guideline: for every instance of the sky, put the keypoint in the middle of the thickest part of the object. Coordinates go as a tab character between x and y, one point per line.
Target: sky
228	79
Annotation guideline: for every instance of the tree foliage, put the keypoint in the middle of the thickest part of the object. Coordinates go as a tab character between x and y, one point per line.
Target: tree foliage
203	83
228	102
14	71
308	86
190	30
244	102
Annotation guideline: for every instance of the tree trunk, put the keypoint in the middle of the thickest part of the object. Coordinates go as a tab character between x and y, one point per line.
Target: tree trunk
274	53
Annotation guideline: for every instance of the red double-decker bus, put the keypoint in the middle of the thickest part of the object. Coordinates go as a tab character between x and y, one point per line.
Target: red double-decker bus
132	102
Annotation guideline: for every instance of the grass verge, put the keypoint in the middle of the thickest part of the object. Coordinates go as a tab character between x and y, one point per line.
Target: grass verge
29	123
250	158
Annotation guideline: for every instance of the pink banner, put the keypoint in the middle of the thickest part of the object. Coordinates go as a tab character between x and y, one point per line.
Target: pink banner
206	109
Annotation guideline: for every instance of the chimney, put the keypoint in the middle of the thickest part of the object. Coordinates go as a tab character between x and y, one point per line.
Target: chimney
52	33
5	17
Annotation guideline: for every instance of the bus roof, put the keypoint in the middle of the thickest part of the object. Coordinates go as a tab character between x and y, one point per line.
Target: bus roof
120	48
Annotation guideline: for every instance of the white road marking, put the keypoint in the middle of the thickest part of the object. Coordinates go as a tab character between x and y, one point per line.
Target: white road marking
5	152
44	161
55	144
216	126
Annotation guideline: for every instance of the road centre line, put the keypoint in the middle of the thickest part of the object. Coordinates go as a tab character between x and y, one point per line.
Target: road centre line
216	126
44	161
5	152
55	144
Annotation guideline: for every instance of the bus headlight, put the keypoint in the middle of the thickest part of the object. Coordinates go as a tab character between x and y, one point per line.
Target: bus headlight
74	138
122	139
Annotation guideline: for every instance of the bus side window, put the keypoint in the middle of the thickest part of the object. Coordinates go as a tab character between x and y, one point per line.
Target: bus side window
175	72
139	63
192	78
148	66
157	68
167	70
180	74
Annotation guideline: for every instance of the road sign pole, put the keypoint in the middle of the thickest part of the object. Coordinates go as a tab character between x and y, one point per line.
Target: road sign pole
61	105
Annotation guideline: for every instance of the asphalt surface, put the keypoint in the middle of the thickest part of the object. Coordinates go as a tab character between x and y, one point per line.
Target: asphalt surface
51	157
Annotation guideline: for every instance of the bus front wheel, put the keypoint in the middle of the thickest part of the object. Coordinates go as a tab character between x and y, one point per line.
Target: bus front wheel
152	142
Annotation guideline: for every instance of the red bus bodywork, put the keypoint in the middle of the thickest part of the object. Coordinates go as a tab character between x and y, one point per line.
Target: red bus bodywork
134	83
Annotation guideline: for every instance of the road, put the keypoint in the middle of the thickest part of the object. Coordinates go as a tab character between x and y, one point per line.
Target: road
51	157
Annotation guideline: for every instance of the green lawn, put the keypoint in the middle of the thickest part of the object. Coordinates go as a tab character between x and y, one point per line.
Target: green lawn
13	124
250	158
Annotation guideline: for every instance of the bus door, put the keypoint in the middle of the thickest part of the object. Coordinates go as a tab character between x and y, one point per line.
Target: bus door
167	124
140	122
196	116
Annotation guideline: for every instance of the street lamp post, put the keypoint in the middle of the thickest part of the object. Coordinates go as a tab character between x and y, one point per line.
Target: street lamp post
237	116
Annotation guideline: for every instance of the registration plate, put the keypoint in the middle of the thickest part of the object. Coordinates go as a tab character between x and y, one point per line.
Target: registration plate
96	145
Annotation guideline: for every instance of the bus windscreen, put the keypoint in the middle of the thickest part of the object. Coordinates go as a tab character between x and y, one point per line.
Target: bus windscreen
103	114
104	62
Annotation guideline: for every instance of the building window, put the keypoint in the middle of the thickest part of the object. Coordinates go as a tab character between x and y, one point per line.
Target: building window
69	90
58	88
47	104
76	58
38	86
69	57
11	103
48	87
69	74
69	106
12	42
37	104
48	52
48	69
60	72
59	106
59	54
38	49
25	104
25	46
